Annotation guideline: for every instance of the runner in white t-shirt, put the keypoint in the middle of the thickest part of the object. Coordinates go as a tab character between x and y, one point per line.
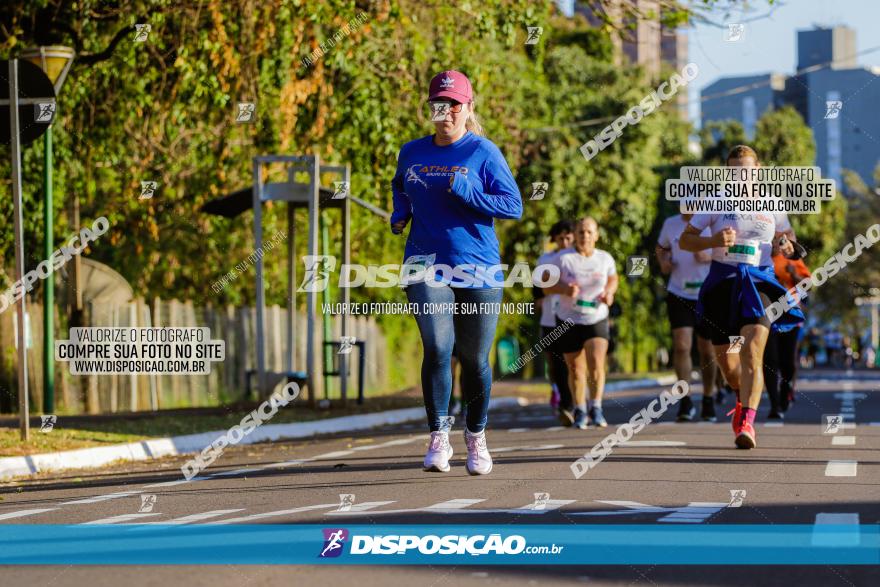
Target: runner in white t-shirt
561	235
587	284
686	271
740	286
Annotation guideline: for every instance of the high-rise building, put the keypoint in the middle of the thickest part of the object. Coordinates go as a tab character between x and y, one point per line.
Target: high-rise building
835	96
644	41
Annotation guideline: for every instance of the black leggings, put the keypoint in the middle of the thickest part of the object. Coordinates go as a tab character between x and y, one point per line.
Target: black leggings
780	367
558	371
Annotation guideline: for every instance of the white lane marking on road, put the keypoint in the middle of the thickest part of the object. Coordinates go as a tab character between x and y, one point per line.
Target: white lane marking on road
527	448
120	519
23	513
365	506
515	430
664	423
841	468
694	512
541	507
444	507
773	424
276	513
100	498
176	482
632	507
844	530
453	504
333	455
195	517
850	395
554	428
284	464
651	443
843	440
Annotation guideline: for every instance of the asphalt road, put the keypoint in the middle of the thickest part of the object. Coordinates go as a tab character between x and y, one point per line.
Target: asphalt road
670	474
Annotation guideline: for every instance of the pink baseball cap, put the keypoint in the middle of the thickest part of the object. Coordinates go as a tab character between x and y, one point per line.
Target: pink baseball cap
453	85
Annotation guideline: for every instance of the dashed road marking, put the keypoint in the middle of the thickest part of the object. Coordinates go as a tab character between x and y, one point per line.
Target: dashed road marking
264	515
195	517
843	440
841	468
694	513
515	430
444	507
836	529
333	455
23	513
121	519
453	504
100	498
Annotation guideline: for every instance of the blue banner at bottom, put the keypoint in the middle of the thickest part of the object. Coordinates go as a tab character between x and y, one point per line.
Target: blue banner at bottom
523	544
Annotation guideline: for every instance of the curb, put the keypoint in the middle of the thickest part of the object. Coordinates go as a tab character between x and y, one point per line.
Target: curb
86	458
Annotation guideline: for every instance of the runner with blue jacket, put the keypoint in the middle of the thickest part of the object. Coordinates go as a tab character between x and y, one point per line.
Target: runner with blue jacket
740	286
451	186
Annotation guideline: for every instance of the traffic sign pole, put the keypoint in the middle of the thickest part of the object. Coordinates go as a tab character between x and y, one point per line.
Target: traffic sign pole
15	148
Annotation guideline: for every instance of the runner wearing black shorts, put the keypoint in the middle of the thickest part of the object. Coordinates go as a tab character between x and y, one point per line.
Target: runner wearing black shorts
734	298
587	284
686	271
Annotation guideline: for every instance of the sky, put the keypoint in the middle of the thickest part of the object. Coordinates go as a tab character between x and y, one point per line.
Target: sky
769	44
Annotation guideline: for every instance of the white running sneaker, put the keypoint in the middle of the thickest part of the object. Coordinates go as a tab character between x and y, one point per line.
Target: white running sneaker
439	453
479	461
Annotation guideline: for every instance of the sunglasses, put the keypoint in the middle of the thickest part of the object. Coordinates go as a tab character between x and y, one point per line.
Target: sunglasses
454	107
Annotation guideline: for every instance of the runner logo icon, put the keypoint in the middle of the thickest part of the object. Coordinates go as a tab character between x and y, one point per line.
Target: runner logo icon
539	189
637	266
534	35
317	275
334	538
44	112
832	108
737	496
412	176
736	343
833	423
47	422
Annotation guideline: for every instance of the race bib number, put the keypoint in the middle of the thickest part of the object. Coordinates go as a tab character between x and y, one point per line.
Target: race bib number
416	268
586	307
744	251
692	286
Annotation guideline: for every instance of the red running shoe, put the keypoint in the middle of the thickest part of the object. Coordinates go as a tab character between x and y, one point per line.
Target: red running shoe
746	437
737	416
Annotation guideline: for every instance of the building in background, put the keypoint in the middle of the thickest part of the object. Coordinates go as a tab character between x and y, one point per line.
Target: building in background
837	99
643	42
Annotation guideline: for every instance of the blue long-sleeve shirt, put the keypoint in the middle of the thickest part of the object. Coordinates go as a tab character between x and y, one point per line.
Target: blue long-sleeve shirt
454	222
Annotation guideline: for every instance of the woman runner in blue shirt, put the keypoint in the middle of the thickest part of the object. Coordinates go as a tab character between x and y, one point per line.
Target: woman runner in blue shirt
452	185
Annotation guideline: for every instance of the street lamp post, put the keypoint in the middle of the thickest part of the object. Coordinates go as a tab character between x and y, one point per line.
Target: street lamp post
55	61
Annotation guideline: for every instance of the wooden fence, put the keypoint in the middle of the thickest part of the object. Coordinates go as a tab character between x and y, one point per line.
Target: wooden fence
226	382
